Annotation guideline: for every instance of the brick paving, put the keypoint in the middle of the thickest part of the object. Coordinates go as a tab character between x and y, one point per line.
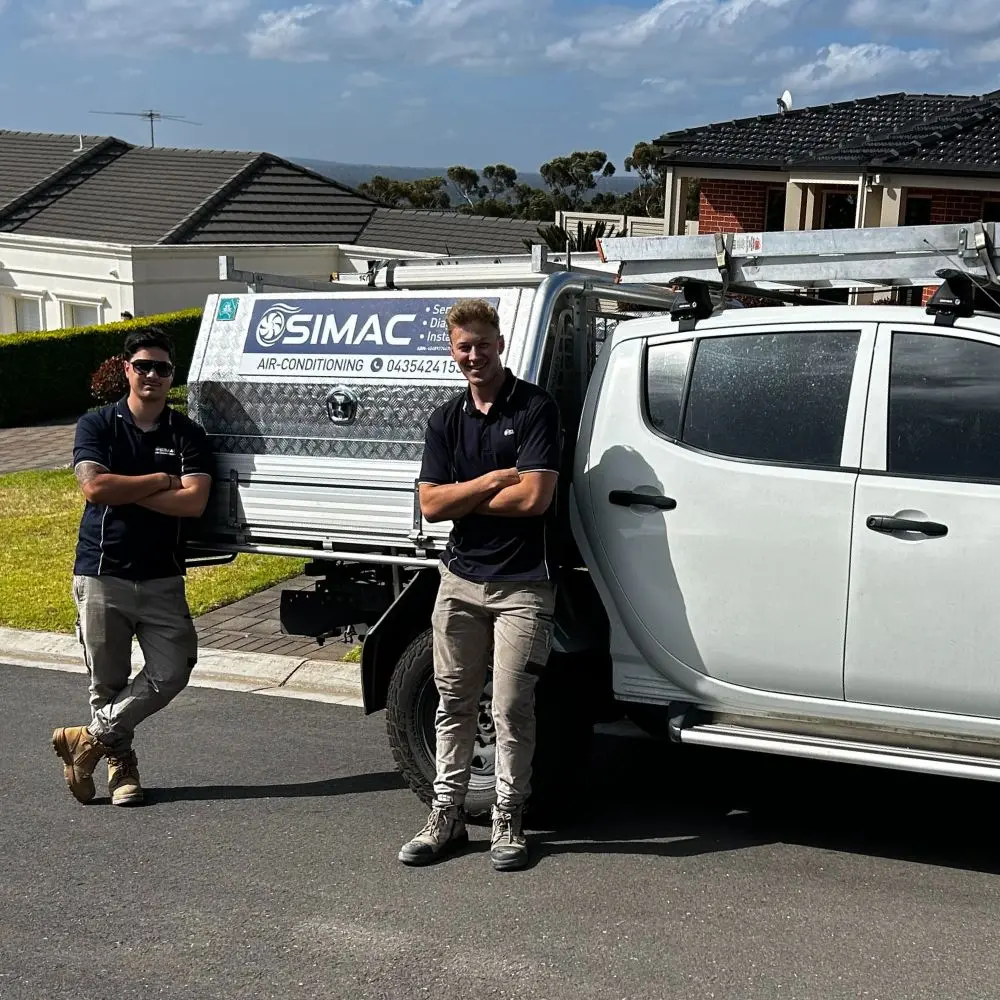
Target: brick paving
43	446
250	625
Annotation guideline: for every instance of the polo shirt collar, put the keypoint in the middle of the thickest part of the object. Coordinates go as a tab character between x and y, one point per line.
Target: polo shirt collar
506	391
123	411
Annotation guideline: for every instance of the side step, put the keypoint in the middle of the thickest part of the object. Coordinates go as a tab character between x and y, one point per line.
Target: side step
842	751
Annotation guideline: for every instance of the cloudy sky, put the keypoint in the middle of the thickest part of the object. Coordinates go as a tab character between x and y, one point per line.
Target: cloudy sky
436	82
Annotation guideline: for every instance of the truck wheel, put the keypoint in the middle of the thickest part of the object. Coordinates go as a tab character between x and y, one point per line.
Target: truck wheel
410	708
564	734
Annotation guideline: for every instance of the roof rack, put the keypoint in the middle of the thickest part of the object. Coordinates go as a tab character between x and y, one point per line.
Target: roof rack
790	267
860	259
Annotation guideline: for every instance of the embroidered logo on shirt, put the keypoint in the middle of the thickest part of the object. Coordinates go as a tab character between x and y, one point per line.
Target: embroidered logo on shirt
166	451
509	433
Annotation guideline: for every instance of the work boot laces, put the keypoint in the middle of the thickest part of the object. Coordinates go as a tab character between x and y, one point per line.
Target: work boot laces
439	823
507	828
125	765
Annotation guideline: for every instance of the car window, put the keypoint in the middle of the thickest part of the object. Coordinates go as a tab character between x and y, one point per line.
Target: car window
666	377
779	397
944	407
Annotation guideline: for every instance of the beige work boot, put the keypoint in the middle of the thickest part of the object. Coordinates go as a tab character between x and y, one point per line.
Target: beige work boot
123	779
443	833
508	847
80	753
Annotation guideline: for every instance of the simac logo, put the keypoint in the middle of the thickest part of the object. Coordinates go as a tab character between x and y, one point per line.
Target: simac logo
271	327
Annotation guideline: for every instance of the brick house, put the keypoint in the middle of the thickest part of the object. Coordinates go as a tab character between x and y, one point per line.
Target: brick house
893	159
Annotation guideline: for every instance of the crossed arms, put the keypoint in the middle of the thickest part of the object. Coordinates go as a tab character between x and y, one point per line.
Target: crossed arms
176	496
504	493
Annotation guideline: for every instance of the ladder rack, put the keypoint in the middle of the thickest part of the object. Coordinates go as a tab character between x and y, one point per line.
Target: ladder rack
877	258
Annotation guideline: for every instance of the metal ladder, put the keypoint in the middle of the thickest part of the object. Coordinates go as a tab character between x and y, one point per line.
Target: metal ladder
859	259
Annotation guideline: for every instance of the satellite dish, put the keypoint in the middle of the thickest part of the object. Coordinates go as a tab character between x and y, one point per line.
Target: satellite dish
785	102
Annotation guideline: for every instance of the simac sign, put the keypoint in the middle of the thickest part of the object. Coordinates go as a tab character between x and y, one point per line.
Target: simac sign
386	339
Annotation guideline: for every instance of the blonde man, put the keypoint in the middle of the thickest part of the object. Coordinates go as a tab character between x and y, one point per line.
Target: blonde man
490	465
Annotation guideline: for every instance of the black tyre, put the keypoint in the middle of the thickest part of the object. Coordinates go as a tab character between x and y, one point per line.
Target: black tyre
564	733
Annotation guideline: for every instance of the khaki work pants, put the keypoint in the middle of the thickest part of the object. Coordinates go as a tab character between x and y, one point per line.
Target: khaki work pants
110	611
510	623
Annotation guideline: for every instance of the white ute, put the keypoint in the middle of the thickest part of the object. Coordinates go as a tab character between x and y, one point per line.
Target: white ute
784	520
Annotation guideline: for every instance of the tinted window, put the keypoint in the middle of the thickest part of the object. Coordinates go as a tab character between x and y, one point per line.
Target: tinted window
666	375
773	397
944	407
918	212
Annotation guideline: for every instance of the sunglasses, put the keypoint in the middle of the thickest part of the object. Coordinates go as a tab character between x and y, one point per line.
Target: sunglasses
163	369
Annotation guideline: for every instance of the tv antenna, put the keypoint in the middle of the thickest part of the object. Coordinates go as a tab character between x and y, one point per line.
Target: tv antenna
152	117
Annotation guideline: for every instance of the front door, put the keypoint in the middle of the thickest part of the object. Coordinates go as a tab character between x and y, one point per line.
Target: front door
924	614
747	444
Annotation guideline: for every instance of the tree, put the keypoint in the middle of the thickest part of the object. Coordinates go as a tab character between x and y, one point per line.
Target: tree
571	177
385	190
466	180
649	196
500	178
427	192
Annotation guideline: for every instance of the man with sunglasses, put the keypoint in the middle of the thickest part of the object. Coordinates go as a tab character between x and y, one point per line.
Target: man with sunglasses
144	469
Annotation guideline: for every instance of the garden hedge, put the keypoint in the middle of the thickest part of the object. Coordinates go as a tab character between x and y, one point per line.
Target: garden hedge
47	375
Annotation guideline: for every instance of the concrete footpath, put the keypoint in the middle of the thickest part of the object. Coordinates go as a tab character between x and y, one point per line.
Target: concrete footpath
333	681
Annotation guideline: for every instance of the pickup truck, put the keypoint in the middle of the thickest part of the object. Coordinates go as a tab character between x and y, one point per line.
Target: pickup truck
780	524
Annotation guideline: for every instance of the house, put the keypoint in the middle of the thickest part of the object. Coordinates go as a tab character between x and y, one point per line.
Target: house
92	227
888	160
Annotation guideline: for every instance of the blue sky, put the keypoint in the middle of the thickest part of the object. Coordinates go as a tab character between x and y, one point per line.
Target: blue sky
436	82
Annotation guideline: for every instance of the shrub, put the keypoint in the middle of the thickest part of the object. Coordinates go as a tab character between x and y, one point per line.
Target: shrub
47	375
108	384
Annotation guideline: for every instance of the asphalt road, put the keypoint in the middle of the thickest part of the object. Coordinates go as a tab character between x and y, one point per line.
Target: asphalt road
264	866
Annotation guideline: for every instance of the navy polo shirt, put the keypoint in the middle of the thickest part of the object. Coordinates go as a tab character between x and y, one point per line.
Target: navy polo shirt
130	541
520	431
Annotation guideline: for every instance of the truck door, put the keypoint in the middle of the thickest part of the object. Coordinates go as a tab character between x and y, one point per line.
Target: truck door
746	441
923	624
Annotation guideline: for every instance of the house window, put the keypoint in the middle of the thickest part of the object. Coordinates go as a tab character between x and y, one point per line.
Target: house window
77	314
774	217
27	315
840	210
918	211
991	211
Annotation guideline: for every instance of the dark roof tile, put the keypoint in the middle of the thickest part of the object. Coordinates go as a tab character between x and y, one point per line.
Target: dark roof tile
779	140
447	232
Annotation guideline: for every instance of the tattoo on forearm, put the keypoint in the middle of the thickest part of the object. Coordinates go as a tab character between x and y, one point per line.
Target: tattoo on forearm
87	472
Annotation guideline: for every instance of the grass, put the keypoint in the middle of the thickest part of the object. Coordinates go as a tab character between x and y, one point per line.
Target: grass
39	518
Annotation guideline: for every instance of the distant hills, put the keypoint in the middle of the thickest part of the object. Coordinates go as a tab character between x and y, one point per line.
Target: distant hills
353	174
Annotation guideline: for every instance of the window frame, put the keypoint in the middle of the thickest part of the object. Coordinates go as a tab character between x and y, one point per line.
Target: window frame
68	302
9	297
854	416
875	450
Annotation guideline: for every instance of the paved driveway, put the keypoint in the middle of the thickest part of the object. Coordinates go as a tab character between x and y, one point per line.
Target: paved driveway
264	867
43	446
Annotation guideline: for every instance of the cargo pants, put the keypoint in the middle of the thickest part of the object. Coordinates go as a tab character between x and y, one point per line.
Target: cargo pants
110	611
474	623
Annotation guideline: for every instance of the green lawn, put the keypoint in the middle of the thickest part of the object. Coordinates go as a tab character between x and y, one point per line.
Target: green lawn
39	517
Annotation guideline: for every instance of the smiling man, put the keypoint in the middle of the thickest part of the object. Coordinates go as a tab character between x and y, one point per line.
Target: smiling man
490	465
143	469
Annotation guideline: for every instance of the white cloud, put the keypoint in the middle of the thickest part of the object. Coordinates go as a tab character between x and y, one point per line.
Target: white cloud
466	33
136	27
366	78
935	17
287	35
691	36
857	69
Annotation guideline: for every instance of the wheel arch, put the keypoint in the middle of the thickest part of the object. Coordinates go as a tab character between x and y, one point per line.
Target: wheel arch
388	638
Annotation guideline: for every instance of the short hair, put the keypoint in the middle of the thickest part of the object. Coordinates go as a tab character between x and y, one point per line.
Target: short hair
151	337
467	311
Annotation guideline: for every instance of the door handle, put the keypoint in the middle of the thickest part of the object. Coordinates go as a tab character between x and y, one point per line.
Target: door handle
888	525
626	498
